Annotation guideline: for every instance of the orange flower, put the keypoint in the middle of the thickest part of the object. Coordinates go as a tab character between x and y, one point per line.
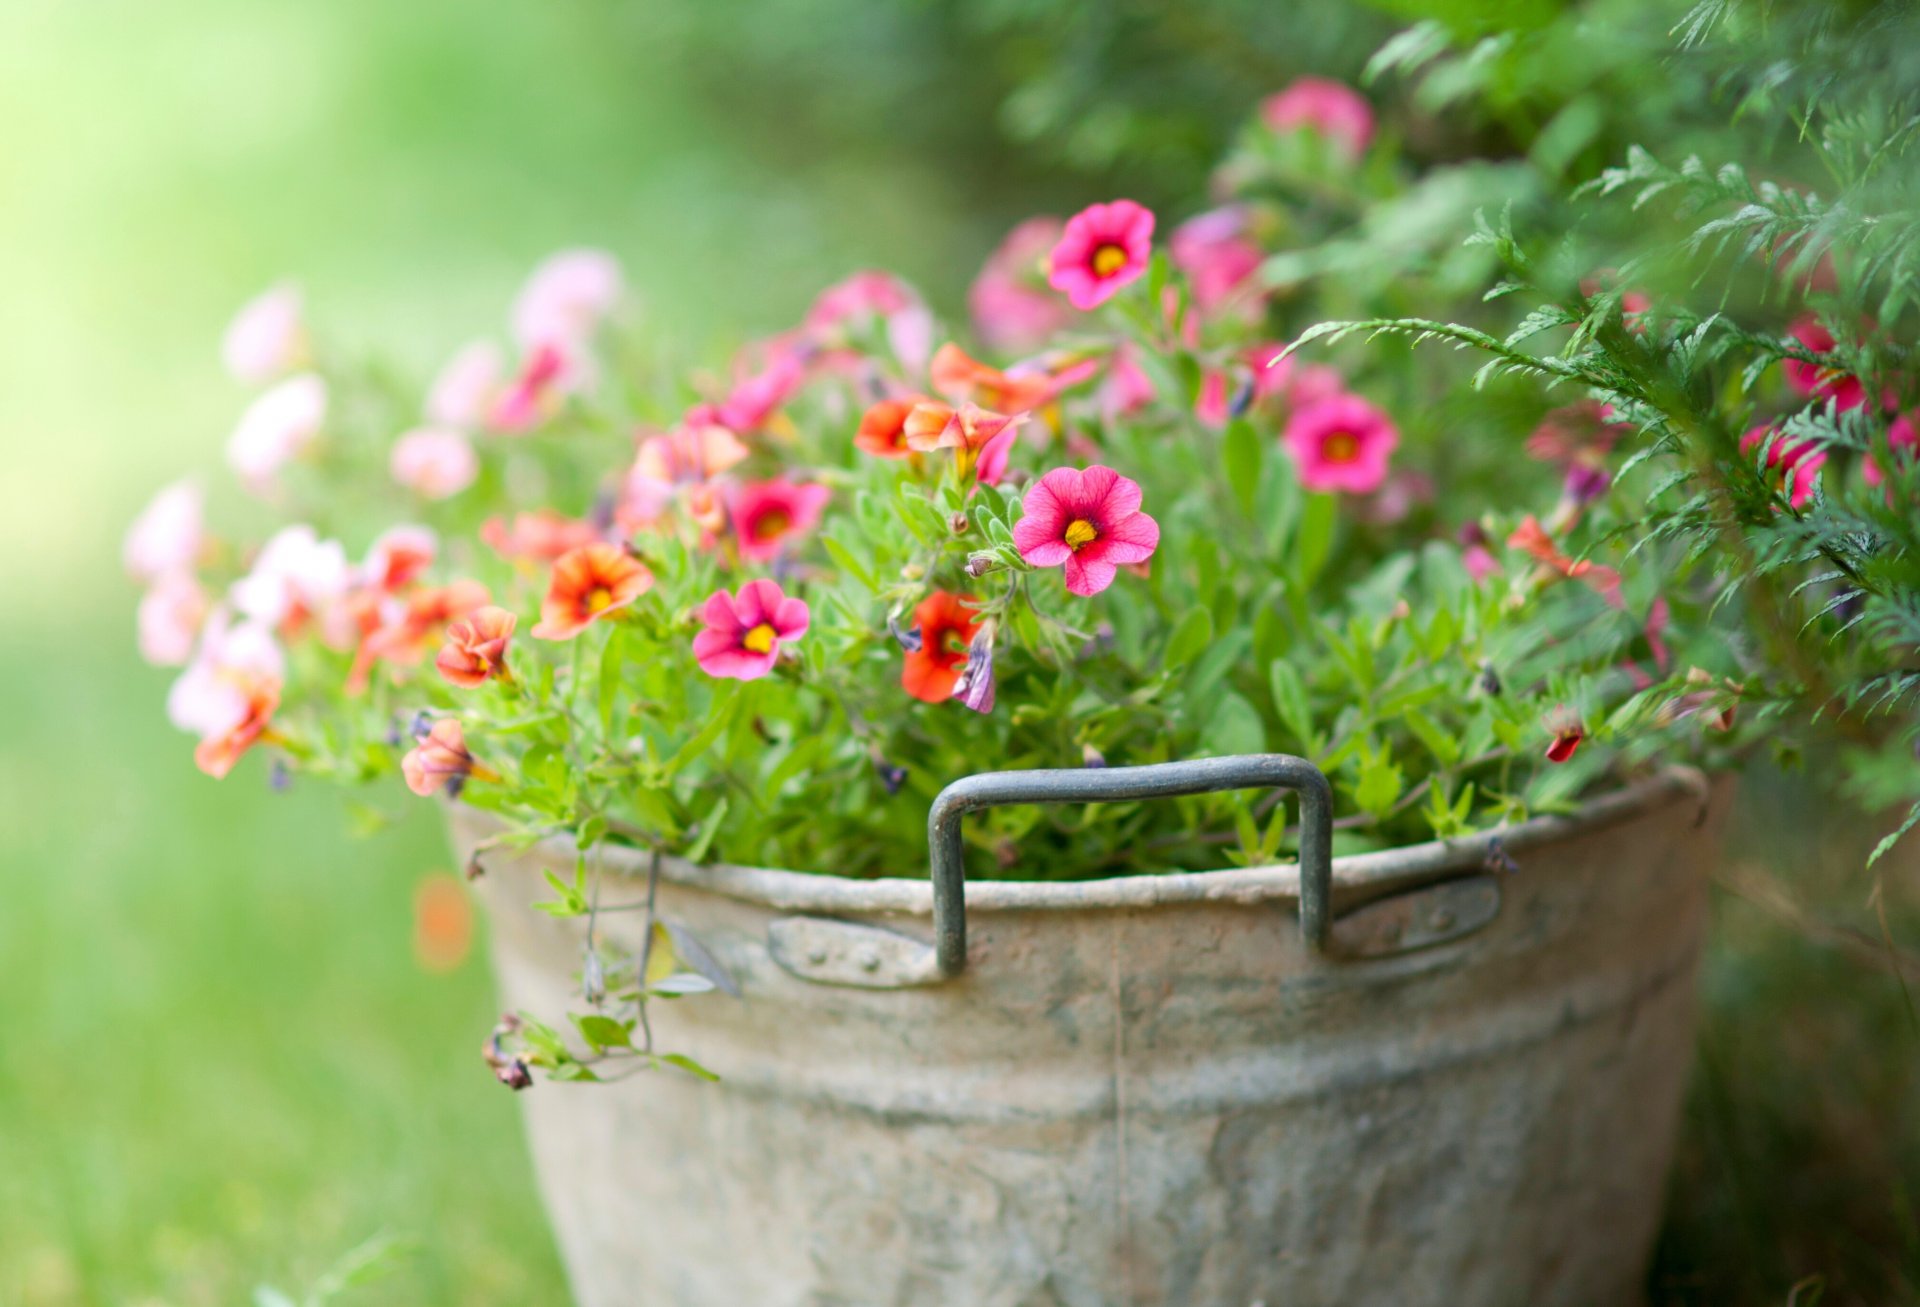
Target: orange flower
442	922
476	648
947	625
967	430
405	639
883	428
441	761
958	376
1532	539
258	695
588	583
542	536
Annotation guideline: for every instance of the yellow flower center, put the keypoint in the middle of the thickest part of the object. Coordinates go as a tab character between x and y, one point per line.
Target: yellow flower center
598	599
1108	259
758	640
771	524
1080	533
1340	447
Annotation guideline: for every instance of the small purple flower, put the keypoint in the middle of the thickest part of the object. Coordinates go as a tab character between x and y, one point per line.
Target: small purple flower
908	637
279	779
891	777
1586	483
976	683
1092	757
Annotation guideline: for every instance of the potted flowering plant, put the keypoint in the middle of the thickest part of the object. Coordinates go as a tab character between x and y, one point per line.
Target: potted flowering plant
656	634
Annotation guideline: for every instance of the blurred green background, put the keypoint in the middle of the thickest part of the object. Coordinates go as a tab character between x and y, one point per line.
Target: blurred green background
219	1063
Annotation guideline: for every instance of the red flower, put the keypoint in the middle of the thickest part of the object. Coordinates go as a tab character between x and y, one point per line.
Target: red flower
476	648
588	583
1567	730
947	624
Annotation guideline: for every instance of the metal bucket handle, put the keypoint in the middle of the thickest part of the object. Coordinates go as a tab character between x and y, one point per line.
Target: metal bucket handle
1112	784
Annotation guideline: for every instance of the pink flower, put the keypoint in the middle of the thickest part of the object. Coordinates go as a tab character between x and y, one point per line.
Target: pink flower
766	514
1126	388
1818	380
759	395
1329	108
267	338
1215	252
465	391
1793	465
276	428
398	557
1900	436
442	762
169	619
907	321
667	464
745	631
1089	521
1104	247
167	535
434	462
566	298
297	575
228	692
1012	308
1342	443
549	374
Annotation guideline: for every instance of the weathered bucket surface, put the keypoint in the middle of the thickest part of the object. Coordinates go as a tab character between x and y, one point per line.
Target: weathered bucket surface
1144	1091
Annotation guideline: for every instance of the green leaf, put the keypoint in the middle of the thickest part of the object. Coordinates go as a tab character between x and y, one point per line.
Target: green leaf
681	984
1234	727
1441	745
1240	453
688	1065
1380	784
1290	701
845	558
1313	543
709	827
603	1033
612	662
1880	849
1189	637
720	716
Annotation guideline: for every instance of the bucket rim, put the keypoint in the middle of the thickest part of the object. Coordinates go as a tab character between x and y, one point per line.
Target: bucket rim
798	891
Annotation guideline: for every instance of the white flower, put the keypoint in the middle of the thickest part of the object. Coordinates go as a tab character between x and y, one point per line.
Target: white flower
267	337
169	619
166	536
464	392
296	573
566	298
275	428
434	462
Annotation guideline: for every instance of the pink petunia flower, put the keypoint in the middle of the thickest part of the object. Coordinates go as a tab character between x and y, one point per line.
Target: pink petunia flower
566	298
267	338
1089	522
1901	439
903	315
1013	309
434	462
550	372
753	401
169	619
668	465
1218	257
1341	443
1819	380
167	535
228	693
767	514
276	428
465	391
1104	247
744	632
1793	465
1331	109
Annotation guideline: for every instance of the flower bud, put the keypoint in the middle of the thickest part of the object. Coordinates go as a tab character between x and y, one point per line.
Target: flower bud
958	524
979	565
1092	757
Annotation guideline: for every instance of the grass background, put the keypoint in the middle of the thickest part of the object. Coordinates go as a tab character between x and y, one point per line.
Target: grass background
219	1063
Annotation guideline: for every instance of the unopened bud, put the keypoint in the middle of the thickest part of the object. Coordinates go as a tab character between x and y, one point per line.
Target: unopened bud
514	1074
958	524
1092	757
1488	682
979	565
593	978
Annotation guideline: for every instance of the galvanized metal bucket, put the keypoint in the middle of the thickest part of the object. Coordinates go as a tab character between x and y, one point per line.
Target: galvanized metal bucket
1431	1082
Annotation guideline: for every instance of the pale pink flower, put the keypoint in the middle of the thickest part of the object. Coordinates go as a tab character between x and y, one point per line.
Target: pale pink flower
744	632
548	374
1126	388
464	392
297	575
1331	109
1104	247
666	463
1089	522
903	315
210	698
267	338
169	618
1342	443
167	535
1013	309
434	462
566	298
276	428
